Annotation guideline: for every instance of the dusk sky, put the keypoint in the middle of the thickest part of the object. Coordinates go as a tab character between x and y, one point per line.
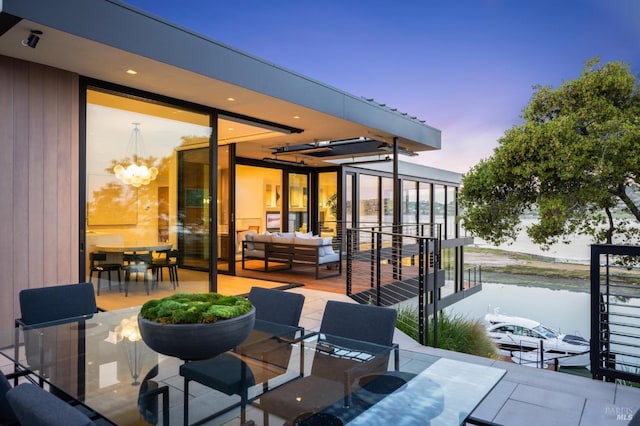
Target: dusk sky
467	67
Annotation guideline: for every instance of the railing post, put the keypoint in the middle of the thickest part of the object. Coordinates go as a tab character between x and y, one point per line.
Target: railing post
421	288
373	256
378	278
436	289
349	260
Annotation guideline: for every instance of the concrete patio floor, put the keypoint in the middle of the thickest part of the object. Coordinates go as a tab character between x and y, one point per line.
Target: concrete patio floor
525	395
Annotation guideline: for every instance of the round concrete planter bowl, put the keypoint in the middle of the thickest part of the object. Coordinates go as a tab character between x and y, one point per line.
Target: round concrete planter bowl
192	342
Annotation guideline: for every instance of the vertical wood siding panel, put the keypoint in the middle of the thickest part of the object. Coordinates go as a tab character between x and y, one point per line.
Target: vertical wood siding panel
39	178
50	126
74	111
65	167
7	301
20	195
37	242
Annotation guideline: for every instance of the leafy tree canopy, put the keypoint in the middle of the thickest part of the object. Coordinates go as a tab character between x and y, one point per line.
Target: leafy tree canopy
575	160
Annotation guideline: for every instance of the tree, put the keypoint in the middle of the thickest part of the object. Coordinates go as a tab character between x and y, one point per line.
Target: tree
575	160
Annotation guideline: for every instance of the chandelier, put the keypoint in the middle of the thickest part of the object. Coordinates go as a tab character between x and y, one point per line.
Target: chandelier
136	173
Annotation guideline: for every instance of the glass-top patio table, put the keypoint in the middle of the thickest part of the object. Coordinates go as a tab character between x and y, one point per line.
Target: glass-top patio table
100	361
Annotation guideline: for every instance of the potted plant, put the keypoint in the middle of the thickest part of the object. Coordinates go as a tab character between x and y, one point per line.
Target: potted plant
195	325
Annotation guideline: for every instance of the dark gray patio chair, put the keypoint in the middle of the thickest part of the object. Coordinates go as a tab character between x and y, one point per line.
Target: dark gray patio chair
334	376
7	416
231	375
60	303
34	406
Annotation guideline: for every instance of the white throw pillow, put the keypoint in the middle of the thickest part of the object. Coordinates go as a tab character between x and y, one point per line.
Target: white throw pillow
327	248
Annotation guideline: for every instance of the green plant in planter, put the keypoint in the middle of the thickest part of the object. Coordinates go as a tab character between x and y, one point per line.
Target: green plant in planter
195	308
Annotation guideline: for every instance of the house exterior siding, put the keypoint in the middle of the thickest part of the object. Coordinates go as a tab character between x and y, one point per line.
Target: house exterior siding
39	180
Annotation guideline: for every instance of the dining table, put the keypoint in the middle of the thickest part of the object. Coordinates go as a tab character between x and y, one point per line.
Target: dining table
134	247
100	361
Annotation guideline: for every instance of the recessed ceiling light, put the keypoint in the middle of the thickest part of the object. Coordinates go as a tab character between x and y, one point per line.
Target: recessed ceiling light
231	99
296	117
132	72
230	129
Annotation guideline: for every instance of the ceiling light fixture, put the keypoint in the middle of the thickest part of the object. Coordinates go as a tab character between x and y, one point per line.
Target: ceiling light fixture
133	171
301	149
285	162
379	160
33	39
384	146
131	72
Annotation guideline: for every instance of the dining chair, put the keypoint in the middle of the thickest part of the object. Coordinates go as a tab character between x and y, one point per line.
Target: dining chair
49	304
99	265
141	263
229	373
339	366
167	259
34	406
278	306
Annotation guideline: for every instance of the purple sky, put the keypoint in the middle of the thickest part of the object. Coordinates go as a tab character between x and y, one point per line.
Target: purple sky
467	67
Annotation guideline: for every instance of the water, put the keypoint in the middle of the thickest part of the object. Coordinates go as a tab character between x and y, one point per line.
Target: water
563	310
577	250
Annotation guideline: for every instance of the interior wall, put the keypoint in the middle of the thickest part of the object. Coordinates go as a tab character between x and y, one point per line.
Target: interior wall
39	179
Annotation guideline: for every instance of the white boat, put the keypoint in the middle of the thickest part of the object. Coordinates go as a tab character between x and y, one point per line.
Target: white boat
532	359
524	338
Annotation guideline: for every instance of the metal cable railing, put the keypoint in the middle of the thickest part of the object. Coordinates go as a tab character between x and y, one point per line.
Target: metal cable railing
384	267
615	313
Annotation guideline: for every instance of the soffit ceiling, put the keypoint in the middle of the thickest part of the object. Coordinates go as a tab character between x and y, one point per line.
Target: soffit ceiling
91	59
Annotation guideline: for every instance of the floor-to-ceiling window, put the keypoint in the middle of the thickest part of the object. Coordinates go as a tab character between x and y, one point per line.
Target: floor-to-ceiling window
298	219
349	187
387	200
409	201
193	208
439	207
369	200
258	200
424	202
328	203
133	200
224	239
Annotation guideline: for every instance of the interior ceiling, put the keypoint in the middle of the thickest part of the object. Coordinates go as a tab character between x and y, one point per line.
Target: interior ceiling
95	60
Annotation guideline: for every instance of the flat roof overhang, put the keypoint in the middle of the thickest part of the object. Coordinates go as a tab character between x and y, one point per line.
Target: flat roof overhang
102	39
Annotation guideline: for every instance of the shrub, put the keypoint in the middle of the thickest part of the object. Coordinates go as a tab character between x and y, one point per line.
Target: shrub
455	333
193	308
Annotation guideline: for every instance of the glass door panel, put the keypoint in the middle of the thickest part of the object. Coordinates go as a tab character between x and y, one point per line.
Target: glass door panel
193	201
298	202
224	240
134	194
328	203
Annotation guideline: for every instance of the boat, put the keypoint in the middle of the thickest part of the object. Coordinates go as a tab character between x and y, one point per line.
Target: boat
533	359
524	338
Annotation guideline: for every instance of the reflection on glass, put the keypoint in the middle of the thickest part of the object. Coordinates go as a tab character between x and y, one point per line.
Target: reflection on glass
387	201
257	211
439	207
409	201
225	241
348	208
328	203
369	212
122	214
298	201
424	197
451	213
